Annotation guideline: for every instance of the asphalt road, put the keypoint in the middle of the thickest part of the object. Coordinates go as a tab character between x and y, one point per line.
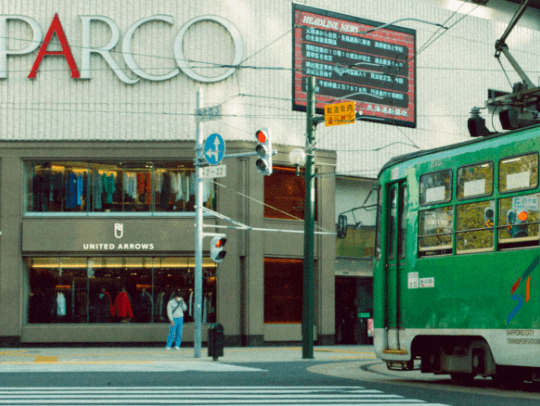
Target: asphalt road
255	383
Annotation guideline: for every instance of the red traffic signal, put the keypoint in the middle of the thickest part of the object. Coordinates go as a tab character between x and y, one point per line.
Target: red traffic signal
261	136
264	152
217	253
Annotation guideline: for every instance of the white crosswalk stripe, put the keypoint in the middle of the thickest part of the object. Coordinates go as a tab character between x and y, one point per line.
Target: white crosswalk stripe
241	395
124	367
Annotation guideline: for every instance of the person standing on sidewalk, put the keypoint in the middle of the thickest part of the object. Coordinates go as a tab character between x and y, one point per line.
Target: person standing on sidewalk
175	310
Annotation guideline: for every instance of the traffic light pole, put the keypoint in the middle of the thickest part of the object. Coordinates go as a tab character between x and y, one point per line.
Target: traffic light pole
309	227
199	157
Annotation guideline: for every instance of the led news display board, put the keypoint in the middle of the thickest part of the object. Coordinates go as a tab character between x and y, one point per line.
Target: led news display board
376	70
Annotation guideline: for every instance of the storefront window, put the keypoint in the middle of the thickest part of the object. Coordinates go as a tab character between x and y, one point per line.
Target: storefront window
115	290
284	194
283	287
103	187
57	187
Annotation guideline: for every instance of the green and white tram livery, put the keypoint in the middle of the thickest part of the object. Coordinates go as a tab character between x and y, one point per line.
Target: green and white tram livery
457	259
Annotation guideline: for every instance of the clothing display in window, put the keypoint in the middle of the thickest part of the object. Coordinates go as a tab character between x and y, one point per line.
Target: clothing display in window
74	189
165	191
159	306
122	306
60	304
191	295
66	186
143	306
98	191
114	289
82	302
108	187
47	189
103	307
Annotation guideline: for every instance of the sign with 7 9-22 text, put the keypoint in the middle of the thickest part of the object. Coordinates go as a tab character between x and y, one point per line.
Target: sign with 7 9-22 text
216	171
339	113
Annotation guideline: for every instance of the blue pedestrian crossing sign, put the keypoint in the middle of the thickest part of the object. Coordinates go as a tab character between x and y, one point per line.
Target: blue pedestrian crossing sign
214	149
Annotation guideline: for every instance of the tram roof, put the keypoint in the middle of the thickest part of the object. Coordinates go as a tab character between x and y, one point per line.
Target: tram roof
406	157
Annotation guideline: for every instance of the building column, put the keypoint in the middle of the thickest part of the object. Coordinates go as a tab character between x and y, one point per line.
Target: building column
11	267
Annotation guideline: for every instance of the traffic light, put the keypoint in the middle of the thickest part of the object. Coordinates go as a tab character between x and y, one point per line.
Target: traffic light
515	223
264	152
342	226
489	217
217	253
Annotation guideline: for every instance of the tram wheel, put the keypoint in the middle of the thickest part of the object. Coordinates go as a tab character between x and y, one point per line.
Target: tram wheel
462	377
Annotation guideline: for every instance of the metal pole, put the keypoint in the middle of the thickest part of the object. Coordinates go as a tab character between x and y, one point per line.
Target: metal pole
307	314
198	229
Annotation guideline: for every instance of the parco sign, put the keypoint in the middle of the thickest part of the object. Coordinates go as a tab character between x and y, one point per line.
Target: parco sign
86	50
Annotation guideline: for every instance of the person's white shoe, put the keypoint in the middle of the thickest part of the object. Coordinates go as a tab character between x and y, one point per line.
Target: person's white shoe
167	348
176	348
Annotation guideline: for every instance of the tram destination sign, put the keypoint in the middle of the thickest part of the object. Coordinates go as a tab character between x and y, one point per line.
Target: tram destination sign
376	70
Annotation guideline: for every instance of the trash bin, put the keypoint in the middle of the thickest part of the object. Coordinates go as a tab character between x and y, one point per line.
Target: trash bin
216	341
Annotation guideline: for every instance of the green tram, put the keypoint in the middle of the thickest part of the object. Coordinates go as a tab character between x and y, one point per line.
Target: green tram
456	268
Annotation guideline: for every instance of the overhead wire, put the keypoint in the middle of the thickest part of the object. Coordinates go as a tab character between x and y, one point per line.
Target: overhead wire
265	204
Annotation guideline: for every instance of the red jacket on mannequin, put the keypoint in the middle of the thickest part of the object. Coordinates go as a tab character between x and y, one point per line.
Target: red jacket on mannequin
122	305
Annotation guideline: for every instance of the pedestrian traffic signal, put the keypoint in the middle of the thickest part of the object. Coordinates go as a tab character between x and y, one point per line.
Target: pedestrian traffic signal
217	252
264	151
489	217
342	226
516	224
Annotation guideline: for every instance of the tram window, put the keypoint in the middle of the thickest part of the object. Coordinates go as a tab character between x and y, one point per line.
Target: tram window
518	221
518	173
436	187
435	232
474	230
475	180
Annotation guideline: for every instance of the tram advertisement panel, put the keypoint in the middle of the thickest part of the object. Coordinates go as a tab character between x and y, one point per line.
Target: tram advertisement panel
376	70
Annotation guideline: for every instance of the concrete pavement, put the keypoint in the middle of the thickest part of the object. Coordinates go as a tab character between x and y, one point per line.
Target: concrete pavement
142	355
95	359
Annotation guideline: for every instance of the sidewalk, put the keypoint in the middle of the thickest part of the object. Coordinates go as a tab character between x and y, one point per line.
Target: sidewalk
142	355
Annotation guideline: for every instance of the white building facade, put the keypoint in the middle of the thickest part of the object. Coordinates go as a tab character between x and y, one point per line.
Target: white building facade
97	128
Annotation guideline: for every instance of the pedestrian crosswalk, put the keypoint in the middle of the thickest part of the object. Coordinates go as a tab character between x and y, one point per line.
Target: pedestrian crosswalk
135	366
220	396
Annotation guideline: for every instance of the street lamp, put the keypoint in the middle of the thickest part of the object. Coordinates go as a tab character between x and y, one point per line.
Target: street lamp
297	157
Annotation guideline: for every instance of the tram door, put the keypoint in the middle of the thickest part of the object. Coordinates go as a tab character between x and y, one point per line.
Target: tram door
396	252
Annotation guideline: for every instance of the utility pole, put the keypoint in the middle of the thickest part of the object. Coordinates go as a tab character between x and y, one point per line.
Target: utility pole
309	226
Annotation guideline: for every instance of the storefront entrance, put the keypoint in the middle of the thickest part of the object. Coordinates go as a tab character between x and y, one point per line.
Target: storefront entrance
354	310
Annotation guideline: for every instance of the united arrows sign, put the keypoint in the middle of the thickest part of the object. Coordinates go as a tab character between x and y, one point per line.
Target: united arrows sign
41	43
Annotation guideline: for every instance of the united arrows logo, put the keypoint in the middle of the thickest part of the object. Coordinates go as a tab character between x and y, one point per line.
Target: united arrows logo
118	230
518	297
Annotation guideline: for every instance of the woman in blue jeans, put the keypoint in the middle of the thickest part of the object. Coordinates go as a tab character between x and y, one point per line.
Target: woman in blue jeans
175	310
